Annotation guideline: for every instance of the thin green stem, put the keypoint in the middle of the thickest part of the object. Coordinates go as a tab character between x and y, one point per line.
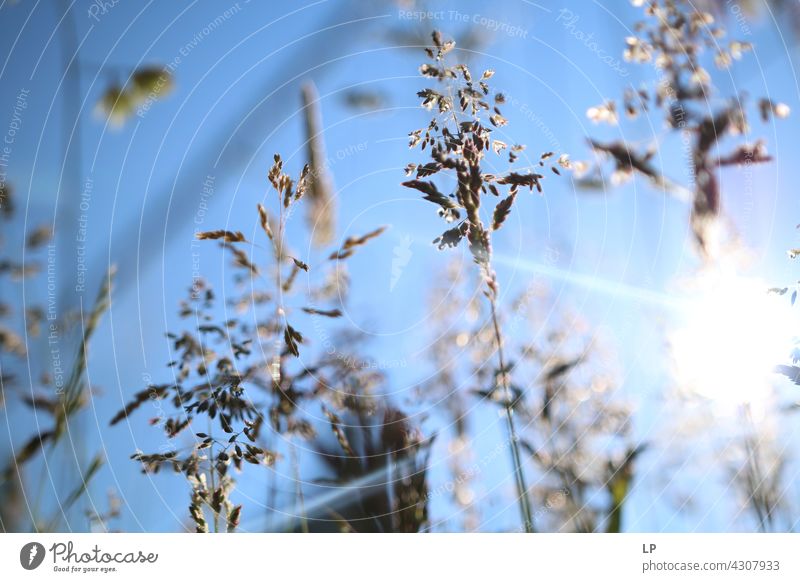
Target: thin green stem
300	498
522	489
212	480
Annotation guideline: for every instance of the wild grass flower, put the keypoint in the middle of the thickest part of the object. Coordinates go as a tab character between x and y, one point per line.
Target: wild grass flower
459	137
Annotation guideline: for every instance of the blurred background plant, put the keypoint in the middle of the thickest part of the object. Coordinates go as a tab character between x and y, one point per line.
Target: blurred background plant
681	43
35	370
574	430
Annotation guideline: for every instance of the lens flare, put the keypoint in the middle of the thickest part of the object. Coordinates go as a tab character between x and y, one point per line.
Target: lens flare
732	334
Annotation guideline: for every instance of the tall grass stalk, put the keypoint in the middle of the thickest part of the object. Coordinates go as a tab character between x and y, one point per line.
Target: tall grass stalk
461	150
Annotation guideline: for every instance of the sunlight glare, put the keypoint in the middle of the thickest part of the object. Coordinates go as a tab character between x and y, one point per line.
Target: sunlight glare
733	333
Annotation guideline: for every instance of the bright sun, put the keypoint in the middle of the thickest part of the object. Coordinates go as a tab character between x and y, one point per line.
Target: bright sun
731	335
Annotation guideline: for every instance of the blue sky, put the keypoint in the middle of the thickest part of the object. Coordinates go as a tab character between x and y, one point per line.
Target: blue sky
611	257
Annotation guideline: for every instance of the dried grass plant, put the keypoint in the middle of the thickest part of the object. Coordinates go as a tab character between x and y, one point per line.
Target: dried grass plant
247	384
459	137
